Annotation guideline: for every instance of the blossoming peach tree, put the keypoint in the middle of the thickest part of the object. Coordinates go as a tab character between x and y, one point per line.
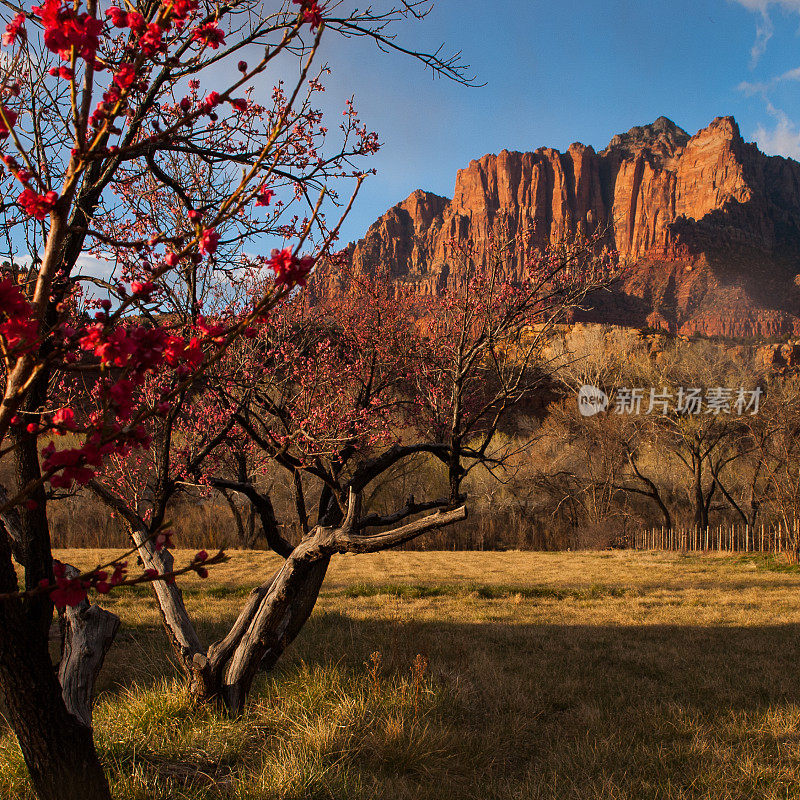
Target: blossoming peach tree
337	396
144	160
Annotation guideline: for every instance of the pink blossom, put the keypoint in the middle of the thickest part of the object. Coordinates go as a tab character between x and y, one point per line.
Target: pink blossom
209	35
14	30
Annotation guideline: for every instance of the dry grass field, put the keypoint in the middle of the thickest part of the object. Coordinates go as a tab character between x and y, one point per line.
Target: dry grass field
475	675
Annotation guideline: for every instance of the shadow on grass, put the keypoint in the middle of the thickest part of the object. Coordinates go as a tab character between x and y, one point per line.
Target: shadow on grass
745	667
572	711
519	710
523	710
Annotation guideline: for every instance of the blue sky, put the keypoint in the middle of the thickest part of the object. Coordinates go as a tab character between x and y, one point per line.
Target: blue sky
558	72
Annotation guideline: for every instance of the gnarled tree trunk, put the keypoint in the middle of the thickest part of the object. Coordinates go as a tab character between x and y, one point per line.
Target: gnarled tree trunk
88	633
273	625
57	747
52	725
277	610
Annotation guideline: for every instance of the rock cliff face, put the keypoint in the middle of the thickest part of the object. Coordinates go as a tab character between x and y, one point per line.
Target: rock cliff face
711	224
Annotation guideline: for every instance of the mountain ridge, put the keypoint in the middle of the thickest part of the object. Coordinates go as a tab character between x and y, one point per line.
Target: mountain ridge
710	224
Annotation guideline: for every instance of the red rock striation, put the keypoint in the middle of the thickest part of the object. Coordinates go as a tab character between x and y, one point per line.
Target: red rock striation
711	224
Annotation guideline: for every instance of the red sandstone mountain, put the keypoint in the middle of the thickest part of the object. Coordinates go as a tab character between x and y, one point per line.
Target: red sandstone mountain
711	224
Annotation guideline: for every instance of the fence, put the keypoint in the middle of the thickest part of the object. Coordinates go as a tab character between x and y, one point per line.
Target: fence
728	538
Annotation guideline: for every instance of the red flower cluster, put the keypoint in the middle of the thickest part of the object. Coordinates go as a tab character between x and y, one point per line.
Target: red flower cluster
150	35
151	42
187	357
209	35
64	29
181	9
18	329
64	420
143	349
209	241
15	29
7	121
120	396
125	76
142	288
71	462
73	591
264	196
137	350
78	464
61	72
214	331
200	558
126	19
311	11
289	269
37	205
164	539
68	591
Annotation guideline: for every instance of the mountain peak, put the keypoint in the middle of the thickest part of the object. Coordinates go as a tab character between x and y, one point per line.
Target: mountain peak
710	228
662	136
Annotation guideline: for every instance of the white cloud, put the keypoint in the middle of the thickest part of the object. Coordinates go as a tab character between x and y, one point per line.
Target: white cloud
791	75
750	88
763	5
783	137
764	31
781	140
96	266
764	27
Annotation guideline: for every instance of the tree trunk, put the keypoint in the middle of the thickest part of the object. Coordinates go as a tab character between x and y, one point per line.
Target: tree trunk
664	511
303	604
57	748
700	512
279	618
653	491
88	633
30	541
754	508
180	630
262	633
277	611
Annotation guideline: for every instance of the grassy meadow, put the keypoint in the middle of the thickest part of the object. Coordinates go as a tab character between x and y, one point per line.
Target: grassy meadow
474	675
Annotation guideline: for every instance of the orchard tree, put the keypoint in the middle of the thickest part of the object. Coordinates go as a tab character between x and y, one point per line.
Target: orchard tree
139	137
311	391
338	395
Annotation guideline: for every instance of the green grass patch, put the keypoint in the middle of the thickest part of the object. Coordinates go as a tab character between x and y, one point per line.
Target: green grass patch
769	562
223	592
411	591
